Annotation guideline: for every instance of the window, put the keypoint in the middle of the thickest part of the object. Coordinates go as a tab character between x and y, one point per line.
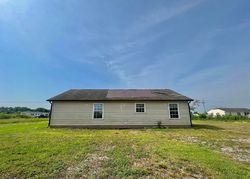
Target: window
174	111
98	111
140	107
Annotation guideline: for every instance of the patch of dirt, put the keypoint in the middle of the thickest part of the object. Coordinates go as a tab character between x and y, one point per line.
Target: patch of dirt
240	140
234	152
179	170
170	169
90	167
92	164
108	148
190	139
237	154
142	163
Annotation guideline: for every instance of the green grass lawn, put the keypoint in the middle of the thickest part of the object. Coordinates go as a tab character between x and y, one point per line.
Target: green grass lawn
212	149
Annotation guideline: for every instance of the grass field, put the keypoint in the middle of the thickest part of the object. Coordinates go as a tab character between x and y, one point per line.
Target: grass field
212	149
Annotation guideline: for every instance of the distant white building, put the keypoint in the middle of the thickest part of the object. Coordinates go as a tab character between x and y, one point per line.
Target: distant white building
36	114
229	111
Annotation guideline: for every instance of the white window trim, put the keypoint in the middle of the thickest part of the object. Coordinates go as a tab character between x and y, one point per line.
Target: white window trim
94	110
179	115
145	109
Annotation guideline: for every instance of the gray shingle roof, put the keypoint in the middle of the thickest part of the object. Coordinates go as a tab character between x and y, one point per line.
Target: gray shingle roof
235	109
119	94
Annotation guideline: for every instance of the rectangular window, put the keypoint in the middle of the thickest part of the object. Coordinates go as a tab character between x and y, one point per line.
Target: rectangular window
140	107
98	111
174	111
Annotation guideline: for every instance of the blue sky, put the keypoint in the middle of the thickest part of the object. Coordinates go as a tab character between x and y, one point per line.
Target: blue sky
200	48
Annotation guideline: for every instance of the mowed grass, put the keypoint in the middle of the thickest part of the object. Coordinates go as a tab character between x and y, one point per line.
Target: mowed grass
212	149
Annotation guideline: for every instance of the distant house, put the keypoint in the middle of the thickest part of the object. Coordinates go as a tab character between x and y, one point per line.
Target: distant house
36	114
125	108
229	111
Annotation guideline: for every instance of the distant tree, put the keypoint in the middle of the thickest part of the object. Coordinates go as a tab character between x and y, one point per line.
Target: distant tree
41	110
194	105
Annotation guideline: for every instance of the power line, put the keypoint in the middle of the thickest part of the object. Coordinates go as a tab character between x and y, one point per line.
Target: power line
204	105
198	102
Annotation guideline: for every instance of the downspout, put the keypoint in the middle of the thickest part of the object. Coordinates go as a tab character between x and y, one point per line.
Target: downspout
190	113
50	113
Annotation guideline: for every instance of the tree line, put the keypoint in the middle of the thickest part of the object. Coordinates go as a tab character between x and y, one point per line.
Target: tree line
12	110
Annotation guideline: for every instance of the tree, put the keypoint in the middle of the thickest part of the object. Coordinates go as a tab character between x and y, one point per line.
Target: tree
12	110
41	110
194	105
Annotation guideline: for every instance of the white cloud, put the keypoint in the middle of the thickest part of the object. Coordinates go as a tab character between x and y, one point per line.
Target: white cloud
122	55
163	14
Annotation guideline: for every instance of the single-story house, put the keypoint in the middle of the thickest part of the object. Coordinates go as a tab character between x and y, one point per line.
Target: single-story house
120	108
229	111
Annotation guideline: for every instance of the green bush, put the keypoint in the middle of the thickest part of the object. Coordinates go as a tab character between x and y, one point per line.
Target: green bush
13	116
220	118
5	116
203	116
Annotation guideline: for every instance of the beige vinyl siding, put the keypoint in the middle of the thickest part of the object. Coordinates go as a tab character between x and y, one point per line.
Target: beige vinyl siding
117	113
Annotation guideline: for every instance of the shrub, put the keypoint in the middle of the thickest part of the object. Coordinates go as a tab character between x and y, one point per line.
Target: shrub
21	116
11	116
220	118
5	116
159	124
203	116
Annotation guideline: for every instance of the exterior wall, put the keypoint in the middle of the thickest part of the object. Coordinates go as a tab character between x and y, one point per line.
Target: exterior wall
216	112
121	113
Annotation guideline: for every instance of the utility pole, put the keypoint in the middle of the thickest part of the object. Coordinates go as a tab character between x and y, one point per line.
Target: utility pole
203	104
